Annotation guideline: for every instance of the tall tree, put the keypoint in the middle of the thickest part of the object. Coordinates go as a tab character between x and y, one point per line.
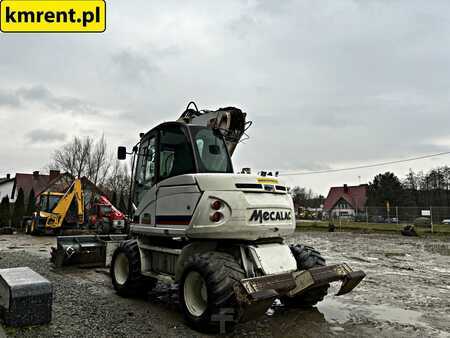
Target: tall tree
303	197
31	205
84	157
99	162
73	157
19	209
5	212
385	188
119	179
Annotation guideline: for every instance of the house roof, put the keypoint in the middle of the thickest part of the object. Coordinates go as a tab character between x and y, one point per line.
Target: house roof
356	196
5	179
29	181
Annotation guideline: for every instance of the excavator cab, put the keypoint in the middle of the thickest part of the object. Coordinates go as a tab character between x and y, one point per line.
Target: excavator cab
49	200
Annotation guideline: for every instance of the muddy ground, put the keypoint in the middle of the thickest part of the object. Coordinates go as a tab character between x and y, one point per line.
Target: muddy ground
406	293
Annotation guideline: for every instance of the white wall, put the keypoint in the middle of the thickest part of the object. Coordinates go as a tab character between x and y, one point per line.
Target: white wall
350	212
6	189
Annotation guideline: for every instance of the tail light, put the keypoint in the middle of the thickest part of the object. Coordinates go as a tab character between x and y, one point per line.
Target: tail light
216	217
216	205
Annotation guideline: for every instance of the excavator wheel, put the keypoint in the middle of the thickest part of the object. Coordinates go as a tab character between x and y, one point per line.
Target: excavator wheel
306	258
126	271
207	295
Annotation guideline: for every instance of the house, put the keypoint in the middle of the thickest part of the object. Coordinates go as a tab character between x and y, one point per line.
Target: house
346	201
6	186
37	182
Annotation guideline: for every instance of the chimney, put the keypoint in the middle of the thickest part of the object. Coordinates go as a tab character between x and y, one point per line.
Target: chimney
8	176
36	174
53	174
346	188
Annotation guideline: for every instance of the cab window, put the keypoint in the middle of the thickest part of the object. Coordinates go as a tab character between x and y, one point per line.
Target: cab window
212	152
176	157
146	166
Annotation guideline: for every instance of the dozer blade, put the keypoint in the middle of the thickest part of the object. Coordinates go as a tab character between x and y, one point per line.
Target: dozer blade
323	275
86	251
256	294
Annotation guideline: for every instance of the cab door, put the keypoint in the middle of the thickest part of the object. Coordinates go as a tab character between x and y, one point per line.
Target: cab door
178	193
145	181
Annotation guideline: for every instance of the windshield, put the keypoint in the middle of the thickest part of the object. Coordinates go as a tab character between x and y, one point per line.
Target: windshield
211	151
48	202
105	209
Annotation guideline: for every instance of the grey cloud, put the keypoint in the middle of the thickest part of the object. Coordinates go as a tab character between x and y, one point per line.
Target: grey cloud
45	136
132	67
326	83
43	95
9	99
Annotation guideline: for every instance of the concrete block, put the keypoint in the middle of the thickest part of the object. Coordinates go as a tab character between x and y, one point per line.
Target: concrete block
25	297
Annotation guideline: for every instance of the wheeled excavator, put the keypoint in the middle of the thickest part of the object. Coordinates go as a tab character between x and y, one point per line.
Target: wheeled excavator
218	235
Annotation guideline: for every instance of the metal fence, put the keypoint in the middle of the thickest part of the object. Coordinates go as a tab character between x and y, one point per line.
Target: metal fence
422	216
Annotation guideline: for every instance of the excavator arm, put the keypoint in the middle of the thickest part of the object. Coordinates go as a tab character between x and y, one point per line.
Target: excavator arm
58	214
230	122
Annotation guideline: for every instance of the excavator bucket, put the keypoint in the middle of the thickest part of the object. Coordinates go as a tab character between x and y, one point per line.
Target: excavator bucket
86	251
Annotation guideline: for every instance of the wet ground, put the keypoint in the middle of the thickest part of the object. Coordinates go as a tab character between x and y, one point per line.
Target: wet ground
406	293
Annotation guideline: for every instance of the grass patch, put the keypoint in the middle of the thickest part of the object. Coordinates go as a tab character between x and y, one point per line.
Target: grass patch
369	227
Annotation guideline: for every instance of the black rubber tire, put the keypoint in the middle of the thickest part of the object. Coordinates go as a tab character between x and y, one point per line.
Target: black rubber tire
136	284
220	272
307	258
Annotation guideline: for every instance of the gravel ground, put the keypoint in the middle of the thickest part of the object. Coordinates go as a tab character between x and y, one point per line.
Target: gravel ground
406	293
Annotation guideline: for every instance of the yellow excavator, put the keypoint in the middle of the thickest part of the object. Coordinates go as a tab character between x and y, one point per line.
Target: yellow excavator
53	210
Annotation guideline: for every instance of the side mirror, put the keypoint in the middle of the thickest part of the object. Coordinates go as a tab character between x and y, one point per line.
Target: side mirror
121	153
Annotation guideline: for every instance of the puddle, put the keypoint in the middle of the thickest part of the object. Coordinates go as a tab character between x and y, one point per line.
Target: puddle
336	312
395	254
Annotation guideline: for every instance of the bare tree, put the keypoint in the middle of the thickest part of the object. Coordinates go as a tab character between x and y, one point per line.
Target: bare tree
119	179
73	157
99	162
84	157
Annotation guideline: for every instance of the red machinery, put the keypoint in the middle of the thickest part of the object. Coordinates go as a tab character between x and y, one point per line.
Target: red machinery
106	218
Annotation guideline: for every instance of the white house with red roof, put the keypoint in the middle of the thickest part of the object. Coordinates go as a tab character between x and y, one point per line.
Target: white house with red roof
346	201
9	186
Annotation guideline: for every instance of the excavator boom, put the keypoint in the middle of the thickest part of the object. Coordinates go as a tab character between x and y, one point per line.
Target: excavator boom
230	122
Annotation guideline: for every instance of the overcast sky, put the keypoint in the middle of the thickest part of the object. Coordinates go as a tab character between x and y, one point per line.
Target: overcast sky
328	84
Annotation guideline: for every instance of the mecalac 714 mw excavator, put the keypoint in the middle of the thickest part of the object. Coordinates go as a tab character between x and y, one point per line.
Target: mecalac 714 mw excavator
217	234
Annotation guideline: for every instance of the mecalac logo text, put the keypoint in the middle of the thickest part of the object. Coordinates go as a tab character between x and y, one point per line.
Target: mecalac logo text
259	215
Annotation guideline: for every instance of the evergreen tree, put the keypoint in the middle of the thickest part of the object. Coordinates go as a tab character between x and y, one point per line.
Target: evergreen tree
4	211
31	206
19	209
385	188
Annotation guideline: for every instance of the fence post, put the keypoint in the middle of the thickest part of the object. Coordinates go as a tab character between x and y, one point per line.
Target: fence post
367	216
396	214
